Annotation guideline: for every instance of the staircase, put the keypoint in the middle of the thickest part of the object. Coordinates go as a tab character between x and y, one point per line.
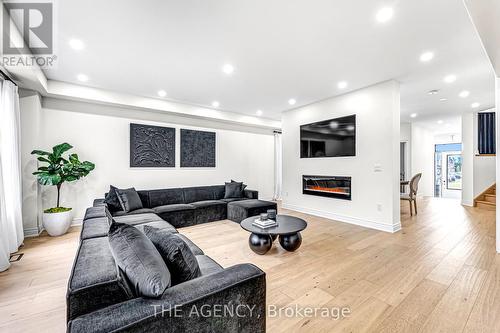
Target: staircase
487	199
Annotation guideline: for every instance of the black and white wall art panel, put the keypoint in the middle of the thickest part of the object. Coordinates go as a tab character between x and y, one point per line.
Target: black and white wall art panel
198	149
152	146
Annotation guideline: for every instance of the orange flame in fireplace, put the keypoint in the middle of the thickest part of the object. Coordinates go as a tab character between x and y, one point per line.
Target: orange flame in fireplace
327	189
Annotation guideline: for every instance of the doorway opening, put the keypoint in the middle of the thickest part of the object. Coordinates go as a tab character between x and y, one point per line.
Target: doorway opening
448	170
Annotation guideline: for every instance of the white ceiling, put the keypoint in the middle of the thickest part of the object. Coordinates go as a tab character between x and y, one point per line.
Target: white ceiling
486	15
280	50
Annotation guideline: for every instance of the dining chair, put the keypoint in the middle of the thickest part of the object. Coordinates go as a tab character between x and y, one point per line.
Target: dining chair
411	197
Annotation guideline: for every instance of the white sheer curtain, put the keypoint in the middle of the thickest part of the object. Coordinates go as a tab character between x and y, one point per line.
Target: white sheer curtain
11	224
278	163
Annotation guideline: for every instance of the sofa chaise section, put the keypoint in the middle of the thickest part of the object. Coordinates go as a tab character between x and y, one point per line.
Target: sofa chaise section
240	287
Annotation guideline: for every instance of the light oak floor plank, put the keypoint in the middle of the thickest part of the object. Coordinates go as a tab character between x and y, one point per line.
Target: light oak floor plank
439	273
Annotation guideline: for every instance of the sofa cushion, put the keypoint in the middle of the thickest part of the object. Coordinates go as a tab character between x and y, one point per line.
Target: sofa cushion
94	282
199	193
207	203
172	208
137	218
194	248
129	199
166	197
233	190
144	195
219	191
233	199
139	259
210	210
96	227
112	200
137	211
179	258
237	211
158	224
180	216
93	212
208	265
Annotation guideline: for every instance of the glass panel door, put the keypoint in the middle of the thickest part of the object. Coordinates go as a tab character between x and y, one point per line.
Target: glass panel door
454	172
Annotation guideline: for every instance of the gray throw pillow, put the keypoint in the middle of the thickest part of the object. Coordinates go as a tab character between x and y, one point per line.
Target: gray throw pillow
179	258
139	259
233	190
112	200
129	199
243	187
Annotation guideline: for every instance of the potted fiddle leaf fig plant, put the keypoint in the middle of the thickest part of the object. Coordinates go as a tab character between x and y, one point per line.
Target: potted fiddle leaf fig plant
55	170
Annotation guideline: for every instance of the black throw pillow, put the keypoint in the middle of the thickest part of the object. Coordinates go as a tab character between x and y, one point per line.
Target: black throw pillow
129	199
233	190
112	201
179	258
139	259
243	187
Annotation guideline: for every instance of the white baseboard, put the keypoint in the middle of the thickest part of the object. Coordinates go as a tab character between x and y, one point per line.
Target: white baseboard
347	219
77	221
32	232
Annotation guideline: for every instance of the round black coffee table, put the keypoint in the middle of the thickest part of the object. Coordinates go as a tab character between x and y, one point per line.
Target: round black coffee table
288	230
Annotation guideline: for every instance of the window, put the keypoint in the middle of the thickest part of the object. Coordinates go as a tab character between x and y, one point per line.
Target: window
486	133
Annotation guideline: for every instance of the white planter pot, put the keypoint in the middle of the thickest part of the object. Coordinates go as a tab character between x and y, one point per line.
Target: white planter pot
57	224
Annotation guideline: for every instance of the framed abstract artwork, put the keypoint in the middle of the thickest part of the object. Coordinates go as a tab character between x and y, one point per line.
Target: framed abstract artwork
152	146
198	149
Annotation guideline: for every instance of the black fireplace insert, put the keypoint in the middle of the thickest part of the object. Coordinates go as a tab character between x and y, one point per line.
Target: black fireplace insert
327	186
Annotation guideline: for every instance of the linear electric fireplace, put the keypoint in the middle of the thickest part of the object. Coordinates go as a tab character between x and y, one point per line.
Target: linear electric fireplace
327	186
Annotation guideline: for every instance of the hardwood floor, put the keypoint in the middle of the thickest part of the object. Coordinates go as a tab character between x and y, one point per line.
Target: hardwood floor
439	274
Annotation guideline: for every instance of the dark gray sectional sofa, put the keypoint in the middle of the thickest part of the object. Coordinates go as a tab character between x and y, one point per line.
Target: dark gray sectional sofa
188	206
100	298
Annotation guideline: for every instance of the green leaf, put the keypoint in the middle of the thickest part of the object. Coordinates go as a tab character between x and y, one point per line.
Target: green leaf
71	178
43	159
73	158
60	149
40	152
89	166
49	179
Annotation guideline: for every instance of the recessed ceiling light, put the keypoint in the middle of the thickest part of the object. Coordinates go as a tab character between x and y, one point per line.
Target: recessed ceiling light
76	44
385	14
450	78
259	112
440	122
82	77
215	104
443	99
292	101
162	93
426	56
228	69
464	94
433	92
475	105
413	115
342	85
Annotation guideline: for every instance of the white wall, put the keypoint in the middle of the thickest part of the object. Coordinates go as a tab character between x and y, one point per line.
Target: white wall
405	136
478	172
422	159
101	134
375	194
468	159
425	134
31	113
484	166
497	126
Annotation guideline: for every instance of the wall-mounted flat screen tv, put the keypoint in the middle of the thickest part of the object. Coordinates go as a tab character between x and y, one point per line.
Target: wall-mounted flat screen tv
329	138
